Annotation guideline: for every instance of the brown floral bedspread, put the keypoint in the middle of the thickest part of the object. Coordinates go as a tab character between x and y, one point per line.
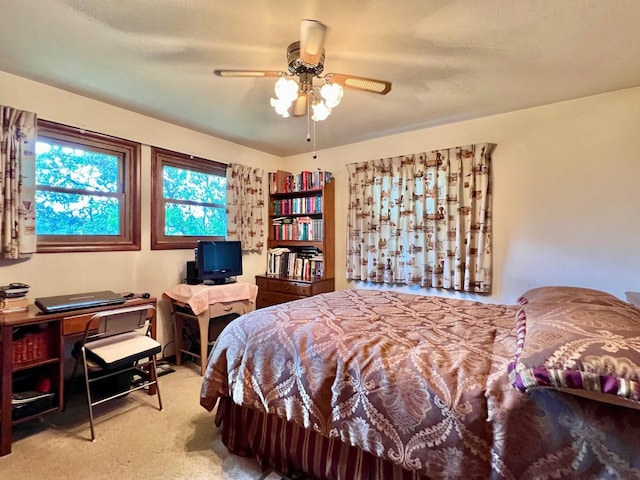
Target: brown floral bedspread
420	381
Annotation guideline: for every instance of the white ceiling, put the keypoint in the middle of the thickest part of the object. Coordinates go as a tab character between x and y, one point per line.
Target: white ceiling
449	60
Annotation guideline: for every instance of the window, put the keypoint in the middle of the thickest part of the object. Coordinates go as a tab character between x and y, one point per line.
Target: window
87	191
189	200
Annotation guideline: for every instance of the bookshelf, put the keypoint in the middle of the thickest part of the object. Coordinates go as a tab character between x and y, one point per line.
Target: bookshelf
301	237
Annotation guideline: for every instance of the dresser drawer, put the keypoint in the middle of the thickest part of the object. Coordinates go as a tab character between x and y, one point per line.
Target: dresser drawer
292	288
266	299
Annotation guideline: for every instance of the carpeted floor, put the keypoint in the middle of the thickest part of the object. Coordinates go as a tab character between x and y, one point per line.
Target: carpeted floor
134	440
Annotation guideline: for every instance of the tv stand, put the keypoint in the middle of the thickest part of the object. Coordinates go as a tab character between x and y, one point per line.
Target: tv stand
207	308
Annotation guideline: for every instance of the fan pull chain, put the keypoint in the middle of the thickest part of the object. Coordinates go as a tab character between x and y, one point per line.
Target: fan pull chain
308	102
315	155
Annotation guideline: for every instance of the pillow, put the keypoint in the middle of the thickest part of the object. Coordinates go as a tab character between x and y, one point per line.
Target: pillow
570	295
579	341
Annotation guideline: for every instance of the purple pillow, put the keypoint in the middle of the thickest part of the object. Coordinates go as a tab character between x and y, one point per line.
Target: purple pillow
580	341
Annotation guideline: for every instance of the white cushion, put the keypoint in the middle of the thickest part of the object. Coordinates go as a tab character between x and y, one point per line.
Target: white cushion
127	347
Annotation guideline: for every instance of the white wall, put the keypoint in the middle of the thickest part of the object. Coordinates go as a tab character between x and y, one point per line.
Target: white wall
142	271
566	192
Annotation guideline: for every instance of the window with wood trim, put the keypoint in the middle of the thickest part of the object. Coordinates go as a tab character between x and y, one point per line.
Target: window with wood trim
87	191
188	200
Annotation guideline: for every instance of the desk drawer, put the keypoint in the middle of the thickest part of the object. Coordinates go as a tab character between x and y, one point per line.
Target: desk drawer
76	324
239	307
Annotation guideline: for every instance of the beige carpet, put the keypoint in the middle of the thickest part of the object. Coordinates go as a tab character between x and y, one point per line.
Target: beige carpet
134	440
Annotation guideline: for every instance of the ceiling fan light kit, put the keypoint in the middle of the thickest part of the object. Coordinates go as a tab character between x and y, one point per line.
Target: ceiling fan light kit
305	60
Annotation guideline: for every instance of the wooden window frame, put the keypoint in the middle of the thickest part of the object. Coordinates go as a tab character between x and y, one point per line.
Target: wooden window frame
129	154
160	158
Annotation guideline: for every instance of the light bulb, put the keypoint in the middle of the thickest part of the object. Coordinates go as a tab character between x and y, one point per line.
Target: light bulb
282	108
286	90
320	111
332	94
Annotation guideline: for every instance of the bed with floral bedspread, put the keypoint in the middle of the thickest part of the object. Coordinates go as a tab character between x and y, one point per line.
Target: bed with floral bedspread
380	384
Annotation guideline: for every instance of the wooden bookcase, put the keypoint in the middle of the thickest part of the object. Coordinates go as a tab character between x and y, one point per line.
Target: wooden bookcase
290	201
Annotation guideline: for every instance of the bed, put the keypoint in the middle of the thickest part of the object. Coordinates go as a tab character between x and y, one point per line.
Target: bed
369	384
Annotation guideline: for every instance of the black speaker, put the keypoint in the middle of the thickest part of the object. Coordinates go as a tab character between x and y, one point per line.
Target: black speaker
192	273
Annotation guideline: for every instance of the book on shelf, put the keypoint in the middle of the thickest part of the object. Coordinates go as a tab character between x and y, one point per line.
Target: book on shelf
277	181
305	263
274	260
299	228
285	182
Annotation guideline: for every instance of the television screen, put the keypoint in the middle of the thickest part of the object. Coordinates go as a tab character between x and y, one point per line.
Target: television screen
218	261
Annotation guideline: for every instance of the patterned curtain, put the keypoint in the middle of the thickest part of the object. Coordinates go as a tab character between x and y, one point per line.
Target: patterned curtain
17	182
422	219
245	204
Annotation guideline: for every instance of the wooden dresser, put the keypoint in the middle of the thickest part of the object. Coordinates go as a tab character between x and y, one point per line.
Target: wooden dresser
273	290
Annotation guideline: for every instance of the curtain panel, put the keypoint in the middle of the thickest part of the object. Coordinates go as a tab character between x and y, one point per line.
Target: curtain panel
422	219
245	206
17	182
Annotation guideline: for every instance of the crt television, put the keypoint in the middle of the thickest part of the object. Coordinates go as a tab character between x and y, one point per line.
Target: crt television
218	261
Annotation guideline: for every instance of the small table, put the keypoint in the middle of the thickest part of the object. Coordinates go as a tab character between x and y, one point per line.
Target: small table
204	303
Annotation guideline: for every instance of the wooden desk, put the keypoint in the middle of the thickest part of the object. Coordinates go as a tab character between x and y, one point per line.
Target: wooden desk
54	327
222	300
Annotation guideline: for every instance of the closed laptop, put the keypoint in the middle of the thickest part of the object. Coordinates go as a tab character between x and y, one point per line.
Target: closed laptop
76	301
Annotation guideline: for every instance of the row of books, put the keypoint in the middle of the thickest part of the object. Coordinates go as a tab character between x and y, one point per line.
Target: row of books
297	228
303	264
285	182
293	206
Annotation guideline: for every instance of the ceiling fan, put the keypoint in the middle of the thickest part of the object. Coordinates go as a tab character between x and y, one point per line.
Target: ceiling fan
306	61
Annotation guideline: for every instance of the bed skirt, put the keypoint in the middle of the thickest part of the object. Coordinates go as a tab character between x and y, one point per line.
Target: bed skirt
298	452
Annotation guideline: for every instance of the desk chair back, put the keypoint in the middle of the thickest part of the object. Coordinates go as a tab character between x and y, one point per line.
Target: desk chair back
121	320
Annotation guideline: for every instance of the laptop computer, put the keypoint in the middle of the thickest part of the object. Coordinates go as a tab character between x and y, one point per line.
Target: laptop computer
76	301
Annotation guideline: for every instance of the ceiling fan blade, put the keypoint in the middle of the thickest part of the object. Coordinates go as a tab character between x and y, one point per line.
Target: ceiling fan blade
361	83
300	106
248	73
312	35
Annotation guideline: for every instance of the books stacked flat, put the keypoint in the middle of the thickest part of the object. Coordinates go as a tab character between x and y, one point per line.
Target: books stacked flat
13	298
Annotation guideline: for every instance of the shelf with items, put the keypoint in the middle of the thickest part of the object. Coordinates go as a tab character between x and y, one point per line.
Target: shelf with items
304	263
283	182
301	239
298	228
32	377
33	393
301	221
